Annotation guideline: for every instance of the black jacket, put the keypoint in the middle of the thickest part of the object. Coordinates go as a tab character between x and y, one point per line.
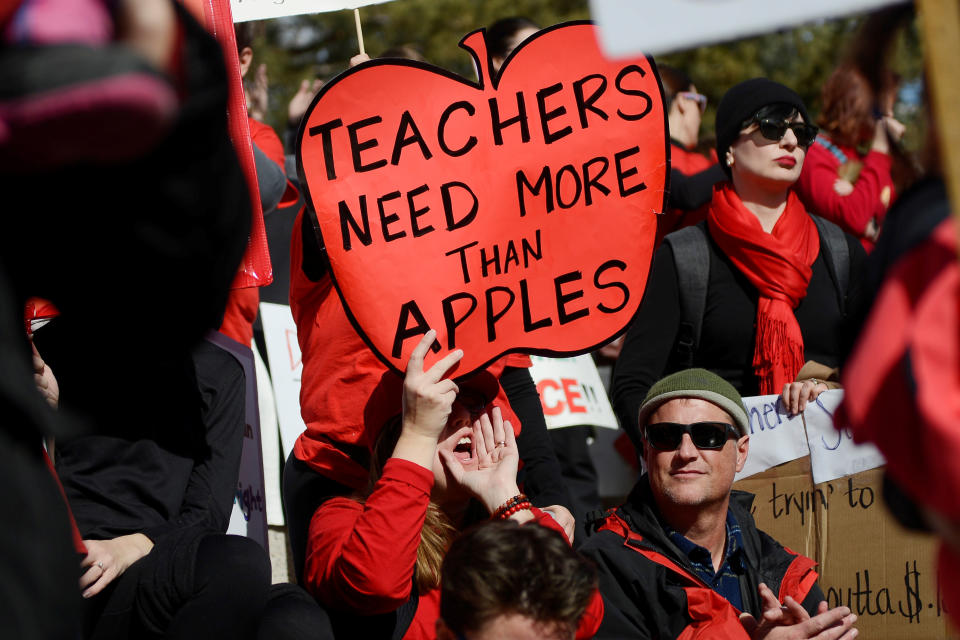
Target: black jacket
650	589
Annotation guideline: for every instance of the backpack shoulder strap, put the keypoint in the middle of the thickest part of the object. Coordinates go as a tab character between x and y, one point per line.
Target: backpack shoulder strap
691	257
838	253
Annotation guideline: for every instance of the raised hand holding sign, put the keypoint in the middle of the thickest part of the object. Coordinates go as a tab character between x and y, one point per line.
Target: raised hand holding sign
516	213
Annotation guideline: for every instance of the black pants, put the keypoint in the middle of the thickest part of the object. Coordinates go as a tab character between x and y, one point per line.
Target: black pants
201	586
293	614
304	490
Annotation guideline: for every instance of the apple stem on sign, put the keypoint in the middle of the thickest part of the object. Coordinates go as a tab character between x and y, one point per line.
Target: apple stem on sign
356	18
476	45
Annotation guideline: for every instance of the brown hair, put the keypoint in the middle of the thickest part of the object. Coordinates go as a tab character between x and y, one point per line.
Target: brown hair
437	531
500	567
674	81
847	106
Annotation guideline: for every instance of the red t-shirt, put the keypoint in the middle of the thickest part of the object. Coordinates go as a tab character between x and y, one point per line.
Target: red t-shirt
240	313
361	556
872	192
346	393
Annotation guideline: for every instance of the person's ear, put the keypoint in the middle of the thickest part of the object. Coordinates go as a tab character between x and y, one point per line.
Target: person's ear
246	59
743	447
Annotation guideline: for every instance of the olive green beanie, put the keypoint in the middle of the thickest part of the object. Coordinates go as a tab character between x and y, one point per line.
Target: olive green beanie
696	383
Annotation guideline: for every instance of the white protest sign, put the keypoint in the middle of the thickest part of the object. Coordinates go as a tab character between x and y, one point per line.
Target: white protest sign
834	454
571	392
775	436
244	10
286	369
629	27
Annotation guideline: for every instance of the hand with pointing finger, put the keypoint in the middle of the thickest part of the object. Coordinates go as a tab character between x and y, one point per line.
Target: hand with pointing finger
427	404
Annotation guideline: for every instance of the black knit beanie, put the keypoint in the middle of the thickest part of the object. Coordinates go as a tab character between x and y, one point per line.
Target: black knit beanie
741	102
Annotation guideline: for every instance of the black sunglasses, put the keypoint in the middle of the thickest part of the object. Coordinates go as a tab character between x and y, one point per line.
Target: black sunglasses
774	129
667	436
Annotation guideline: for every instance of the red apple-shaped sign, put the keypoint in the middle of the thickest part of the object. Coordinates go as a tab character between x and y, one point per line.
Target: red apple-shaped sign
516	213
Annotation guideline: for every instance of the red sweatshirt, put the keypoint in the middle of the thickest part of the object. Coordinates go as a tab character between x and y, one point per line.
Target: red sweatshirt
872	192
361	556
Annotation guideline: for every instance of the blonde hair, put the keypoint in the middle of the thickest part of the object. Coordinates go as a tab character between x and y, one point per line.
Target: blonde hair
437	532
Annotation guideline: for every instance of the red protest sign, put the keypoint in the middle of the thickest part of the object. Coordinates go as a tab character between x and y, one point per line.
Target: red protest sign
255	269
516	213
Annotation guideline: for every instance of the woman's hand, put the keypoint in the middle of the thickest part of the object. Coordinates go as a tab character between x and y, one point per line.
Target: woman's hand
842	187
796	395
428	396
895	128
427	403
257	94
886	129
494	480
45	380
564	518
301	100
108	559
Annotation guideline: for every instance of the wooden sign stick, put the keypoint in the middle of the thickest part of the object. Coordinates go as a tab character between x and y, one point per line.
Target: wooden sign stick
940	21
356	18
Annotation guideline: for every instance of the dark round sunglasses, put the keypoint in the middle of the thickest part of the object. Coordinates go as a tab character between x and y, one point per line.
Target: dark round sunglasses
667	436
471	400
774	129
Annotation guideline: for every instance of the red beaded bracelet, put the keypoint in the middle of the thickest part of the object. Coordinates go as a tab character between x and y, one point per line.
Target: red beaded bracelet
514	509
509	503
512	502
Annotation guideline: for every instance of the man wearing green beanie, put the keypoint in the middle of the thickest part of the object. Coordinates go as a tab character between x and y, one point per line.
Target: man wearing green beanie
683	556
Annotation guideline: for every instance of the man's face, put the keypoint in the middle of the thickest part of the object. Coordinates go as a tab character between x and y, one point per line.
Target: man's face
508	626
692	477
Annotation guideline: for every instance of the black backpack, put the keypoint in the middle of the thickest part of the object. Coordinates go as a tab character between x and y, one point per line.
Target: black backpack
691	257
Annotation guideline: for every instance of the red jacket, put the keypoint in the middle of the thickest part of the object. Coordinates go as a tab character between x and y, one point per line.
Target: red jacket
361	556
872	191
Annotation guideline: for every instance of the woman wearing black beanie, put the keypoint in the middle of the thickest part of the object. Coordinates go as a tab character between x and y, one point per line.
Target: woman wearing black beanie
758	289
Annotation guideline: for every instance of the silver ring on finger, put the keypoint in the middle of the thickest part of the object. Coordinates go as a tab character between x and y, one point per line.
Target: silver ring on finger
100	564
501	444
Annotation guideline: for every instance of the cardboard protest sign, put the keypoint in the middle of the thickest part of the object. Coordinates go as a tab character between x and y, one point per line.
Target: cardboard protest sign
775	436
244	10
514	213
672	25
571	393
833	453
885	574
248	516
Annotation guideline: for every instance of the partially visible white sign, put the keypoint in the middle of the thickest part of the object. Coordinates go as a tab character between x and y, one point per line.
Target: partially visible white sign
572	393
775	436
286	369
629	27
244	10
834	454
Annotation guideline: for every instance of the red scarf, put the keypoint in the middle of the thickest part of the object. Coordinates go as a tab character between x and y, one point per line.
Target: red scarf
778	264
